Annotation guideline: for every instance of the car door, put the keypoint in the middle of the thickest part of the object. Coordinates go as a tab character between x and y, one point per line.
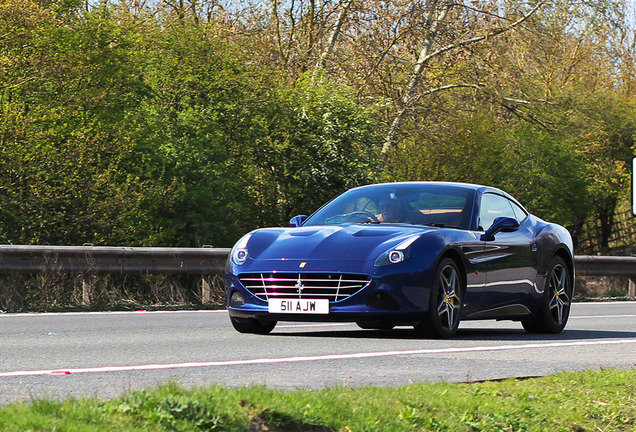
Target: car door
509	261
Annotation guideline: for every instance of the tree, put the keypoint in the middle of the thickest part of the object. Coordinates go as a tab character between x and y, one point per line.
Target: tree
190	122
313	144
561	75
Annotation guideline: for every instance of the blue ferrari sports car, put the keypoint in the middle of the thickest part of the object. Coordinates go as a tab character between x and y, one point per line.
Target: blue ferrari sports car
421	254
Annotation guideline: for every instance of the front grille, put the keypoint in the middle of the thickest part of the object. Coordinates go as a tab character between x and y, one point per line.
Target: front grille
331	286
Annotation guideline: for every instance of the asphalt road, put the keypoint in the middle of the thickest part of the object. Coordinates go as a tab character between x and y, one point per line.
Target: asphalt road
106	354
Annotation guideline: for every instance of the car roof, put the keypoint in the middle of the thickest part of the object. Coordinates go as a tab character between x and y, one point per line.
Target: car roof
470	186
437	183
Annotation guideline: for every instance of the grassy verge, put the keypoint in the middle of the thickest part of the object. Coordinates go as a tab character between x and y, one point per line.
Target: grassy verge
602	400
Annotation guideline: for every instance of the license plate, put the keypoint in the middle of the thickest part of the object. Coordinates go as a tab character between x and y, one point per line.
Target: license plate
298	306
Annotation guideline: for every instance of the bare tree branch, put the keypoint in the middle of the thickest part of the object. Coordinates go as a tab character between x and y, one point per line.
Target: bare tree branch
279	40
18	84
408	97
402	113
391	137
333	36
486	36
442	88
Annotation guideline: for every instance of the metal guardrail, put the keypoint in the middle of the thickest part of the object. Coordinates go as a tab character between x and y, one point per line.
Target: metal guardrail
91	260
111	259
589	265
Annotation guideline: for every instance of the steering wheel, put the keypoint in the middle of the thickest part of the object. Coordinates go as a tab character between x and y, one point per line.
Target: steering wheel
365	213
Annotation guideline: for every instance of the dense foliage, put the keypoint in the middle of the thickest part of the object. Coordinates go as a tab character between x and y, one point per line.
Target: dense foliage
189	123
568	401
117	130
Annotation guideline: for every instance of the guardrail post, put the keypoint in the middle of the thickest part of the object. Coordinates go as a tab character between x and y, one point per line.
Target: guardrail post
206	289
631	293
87	289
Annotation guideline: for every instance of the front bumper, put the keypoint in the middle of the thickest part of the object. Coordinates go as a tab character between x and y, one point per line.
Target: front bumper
396	293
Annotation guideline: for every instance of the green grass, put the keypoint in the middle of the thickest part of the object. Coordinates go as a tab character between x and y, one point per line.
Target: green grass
602	400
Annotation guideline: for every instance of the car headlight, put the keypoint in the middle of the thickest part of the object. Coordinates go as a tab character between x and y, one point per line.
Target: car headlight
239	251
396	254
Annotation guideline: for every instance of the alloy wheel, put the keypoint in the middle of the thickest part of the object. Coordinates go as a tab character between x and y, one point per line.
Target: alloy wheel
559	298
448	298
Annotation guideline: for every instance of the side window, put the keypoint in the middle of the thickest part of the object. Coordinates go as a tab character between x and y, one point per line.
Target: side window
492	207
520	214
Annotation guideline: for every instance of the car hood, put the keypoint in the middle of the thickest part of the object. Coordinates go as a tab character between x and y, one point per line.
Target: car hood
330	242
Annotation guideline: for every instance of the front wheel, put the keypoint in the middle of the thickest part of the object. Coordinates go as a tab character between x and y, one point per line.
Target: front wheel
252	325
445	302
557	298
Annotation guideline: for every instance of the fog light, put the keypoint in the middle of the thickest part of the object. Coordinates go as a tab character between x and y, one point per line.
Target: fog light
382	300
237	299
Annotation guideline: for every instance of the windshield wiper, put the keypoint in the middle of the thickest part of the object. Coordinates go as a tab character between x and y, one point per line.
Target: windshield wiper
442	225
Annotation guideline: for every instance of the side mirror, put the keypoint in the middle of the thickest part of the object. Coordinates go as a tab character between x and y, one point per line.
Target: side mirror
501	224
297	221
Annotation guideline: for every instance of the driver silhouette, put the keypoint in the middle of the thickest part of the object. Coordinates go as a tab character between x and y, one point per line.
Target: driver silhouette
392	210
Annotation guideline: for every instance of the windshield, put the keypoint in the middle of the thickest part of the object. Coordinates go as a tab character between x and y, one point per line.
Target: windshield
417	204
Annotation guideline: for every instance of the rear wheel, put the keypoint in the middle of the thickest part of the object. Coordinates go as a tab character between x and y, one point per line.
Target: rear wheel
445	303
555	304
252	325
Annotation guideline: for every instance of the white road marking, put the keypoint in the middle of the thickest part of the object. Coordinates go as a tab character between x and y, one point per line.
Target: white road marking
64	371
136	312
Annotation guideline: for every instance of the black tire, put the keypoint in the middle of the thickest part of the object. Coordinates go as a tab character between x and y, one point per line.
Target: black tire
556	301
445	302
252	325
375	325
